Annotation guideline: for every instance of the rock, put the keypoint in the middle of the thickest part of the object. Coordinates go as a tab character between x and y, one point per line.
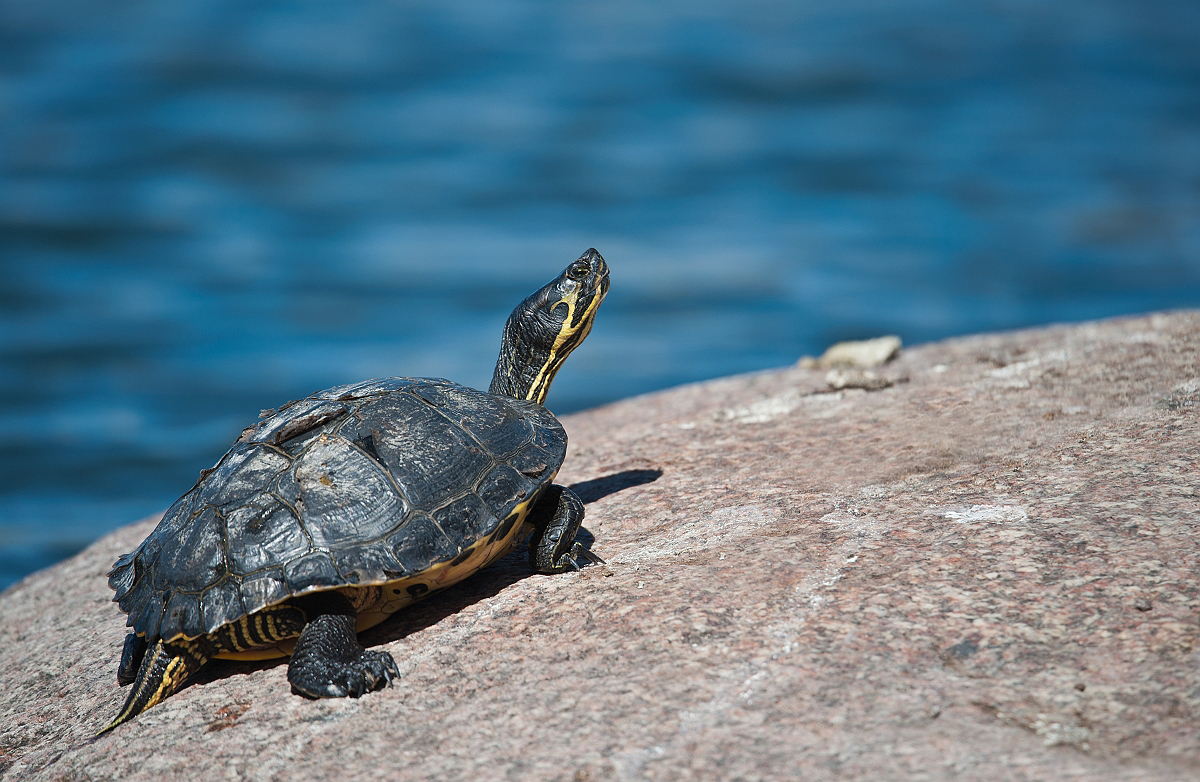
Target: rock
863	354
989	572
837	379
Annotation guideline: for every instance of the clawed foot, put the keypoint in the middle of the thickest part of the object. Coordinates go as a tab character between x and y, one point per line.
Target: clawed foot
371	670
327	661
556	520
568	560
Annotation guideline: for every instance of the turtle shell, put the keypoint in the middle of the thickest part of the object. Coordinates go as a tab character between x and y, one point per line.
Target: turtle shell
358	485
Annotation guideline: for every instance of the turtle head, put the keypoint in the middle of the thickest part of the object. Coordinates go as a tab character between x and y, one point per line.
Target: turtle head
544	329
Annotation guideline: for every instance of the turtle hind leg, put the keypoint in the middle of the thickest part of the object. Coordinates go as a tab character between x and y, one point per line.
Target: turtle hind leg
327	661
556	519
164	669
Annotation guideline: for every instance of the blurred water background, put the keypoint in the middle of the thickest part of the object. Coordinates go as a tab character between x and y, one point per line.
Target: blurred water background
211	207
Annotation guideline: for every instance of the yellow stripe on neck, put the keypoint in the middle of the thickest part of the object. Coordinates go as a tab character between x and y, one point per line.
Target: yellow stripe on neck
571	326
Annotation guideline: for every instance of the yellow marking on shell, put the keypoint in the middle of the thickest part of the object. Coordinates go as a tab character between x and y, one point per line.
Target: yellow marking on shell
395	594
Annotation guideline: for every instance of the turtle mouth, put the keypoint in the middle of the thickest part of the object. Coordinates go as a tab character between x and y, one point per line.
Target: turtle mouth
580	289
599	287
599	270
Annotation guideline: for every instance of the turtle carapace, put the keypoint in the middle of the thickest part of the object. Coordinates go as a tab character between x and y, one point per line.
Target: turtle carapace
339	509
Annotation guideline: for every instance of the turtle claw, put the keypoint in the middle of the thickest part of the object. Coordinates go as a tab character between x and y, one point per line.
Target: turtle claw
372	670
390	671
577	551
592	557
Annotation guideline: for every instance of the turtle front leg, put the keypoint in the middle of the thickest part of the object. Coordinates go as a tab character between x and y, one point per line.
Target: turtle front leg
328	661
556	519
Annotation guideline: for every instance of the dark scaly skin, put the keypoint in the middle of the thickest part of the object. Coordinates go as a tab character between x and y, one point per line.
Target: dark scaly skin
328	661
538	338
556	520
166	666
318	460
164	669
131	659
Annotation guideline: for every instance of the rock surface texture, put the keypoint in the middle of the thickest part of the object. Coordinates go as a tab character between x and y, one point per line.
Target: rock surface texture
988	572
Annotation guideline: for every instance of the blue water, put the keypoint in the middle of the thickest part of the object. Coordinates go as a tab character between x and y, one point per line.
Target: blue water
209	207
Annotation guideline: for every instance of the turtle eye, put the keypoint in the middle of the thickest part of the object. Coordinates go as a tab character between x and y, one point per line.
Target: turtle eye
578	270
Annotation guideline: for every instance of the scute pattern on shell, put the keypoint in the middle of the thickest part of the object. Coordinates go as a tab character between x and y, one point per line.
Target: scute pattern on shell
360	484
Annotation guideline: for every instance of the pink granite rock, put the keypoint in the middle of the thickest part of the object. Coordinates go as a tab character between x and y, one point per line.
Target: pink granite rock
988	572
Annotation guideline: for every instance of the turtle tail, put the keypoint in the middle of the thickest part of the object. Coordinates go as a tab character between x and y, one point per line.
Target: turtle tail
163	671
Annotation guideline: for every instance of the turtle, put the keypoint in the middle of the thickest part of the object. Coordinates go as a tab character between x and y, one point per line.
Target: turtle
336	510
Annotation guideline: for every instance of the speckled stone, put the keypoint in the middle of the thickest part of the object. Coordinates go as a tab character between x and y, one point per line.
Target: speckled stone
859	353
988	572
